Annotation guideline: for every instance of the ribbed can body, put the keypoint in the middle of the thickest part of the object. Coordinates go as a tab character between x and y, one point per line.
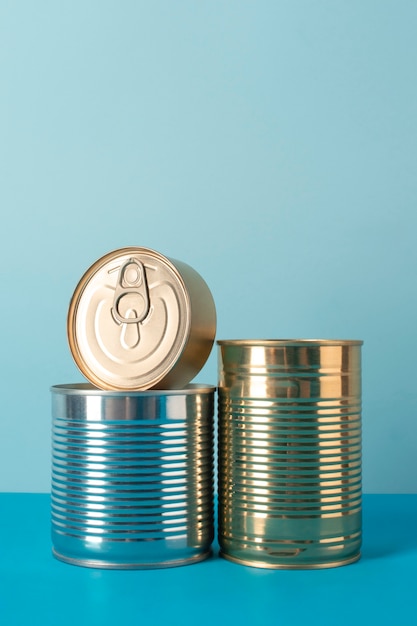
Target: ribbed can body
290	452
132	476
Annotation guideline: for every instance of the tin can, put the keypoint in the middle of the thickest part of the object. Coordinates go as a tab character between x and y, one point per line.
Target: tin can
132	476
139	320
290	452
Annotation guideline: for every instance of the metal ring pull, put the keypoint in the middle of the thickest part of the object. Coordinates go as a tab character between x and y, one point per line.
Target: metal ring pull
131	280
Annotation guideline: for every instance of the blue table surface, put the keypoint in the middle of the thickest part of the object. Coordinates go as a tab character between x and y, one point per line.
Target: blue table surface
381	588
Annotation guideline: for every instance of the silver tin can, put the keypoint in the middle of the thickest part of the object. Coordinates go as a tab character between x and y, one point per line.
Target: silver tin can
290	452
132	476
139	320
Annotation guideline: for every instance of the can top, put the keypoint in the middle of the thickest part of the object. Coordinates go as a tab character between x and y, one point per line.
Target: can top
86	389
128	319
289	342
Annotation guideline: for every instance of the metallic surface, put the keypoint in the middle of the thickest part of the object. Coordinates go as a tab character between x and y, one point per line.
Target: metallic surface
290	452
132	476
138	320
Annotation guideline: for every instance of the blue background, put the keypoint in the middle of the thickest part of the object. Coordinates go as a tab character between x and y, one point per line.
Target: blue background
270	145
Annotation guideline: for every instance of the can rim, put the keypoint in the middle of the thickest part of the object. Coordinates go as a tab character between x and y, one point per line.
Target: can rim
87	389
289	342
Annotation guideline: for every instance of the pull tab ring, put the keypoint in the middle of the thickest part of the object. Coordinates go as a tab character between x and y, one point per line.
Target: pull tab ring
131	280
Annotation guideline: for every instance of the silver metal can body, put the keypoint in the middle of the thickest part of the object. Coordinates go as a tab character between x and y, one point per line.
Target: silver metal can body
290	452
132	476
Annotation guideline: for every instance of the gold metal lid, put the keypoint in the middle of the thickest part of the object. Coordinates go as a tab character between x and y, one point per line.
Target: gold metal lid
129	319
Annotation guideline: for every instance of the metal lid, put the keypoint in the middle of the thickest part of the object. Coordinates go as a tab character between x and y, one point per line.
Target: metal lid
129	319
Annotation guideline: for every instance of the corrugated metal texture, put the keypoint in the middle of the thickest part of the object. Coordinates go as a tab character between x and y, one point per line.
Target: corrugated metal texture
137	490
290	453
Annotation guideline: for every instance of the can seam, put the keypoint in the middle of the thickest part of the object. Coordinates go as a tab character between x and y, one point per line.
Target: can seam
289	342
86	389
305	566
108	565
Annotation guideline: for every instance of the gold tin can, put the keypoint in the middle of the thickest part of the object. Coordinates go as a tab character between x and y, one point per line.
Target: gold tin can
290	452
139	320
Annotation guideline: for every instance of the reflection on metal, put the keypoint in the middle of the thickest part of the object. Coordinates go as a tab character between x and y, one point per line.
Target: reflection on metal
290	452
132	476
